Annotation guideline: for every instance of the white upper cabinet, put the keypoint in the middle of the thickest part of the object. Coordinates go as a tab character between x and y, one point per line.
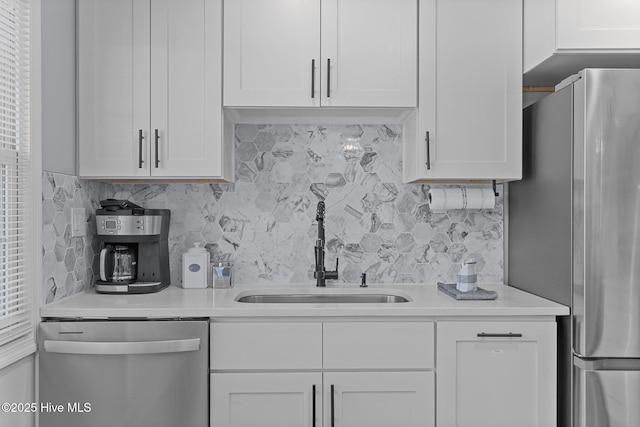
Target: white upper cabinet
598	24
113	40
562	37
271	53
150	89
369	53
311	53
469	119
185	81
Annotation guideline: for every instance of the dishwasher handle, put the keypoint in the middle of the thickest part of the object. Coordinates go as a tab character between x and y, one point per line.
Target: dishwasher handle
127	347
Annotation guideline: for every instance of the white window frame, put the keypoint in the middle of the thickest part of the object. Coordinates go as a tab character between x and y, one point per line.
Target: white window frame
31	198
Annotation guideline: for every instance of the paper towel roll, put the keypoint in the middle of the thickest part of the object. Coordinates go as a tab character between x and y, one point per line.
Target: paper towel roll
442	199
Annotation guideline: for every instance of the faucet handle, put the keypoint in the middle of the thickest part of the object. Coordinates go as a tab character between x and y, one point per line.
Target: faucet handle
363	283
332	275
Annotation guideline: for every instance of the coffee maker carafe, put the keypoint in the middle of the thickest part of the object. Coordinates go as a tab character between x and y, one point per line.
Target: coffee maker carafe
134	254
118	263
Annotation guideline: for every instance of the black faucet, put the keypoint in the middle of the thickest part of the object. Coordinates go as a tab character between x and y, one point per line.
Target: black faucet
320	274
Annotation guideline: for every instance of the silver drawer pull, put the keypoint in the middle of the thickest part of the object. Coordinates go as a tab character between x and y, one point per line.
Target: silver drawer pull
132	347
508	335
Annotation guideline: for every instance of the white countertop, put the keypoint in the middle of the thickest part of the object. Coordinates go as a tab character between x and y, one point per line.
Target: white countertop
175	302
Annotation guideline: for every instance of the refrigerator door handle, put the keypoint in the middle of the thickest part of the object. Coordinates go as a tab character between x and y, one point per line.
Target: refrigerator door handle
140	347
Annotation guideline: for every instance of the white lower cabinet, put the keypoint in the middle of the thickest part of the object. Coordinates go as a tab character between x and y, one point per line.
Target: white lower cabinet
496	374
378	399
284	399
308	399
330	374
383	373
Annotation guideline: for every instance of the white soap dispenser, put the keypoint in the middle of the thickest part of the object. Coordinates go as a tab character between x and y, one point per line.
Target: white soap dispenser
195	267
468	277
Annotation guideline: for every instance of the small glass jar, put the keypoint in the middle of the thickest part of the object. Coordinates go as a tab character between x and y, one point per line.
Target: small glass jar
222	274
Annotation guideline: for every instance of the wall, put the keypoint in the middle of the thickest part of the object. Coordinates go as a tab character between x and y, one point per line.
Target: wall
17	385
265	222
67	262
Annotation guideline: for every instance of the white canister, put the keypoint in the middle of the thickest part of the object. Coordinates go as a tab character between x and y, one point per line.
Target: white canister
195	267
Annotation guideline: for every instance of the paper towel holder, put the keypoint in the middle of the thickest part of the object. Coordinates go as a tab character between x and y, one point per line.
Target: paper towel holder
493	184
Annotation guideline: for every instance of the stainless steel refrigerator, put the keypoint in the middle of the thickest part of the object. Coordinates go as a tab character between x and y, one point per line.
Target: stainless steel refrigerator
574	237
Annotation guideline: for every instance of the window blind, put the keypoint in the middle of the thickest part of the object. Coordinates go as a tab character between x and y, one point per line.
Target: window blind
16	228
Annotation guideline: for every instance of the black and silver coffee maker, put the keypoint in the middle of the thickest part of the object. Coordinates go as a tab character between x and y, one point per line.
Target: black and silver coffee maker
134	250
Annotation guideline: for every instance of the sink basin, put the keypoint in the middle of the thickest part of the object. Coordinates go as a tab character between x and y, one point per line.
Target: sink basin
322	299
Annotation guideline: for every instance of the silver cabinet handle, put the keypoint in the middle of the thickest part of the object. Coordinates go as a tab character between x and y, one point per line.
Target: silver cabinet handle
157	138
133	347
313	78
507	335
426	138
328	77
140	138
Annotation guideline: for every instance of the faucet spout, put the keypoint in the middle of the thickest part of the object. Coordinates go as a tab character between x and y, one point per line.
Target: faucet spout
320	273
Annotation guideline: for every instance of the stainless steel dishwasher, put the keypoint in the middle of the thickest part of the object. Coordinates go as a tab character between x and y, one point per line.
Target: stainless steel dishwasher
124	373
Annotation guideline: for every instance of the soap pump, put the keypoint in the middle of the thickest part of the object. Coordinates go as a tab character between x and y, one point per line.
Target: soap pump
468	277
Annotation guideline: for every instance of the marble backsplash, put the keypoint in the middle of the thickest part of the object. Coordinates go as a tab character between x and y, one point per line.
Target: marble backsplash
67	262
264	223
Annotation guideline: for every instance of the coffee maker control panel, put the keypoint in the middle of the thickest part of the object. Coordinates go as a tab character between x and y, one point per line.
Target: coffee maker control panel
129	225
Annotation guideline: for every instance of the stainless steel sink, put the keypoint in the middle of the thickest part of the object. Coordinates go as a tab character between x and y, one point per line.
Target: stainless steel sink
322	299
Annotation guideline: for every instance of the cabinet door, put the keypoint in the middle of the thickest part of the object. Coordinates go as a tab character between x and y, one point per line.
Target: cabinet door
598	24
486	378
369	53
379	399
266	400
470	95
113	88
271	53
186	80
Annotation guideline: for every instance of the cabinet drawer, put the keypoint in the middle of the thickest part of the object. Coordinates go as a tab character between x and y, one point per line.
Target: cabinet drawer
266	346
378	345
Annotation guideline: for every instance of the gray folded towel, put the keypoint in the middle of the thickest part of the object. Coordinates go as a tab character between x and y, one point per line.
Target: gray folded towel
450	289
